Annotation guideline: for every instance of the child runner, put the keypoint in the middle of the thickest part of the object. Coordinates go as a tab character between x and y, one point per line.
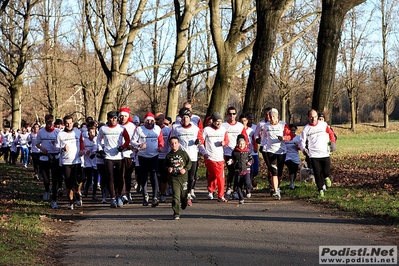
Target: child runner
241	160
178	164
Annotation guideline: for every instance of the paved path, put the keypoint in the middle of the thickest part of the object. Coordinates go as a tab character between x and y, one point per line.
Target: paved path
259	232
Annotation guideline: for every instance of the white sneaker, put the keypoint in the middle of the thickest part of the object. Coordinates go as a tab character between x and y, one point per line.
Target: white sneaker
292	185
79	201
228	193
210	196
192	194
241	202
324	188
46	196
70	206
276	195
249	195
54	205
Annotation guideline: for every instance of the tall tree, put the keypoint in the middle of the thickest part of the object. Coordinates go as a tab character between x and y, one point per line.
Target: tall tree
184	11
14	51
119	23
390	74
328	41
355	56
228	50
269	14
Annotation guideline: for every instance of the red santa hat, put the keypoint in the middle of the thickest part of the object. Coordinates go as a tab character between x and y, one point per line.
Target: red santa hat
126	112
149	116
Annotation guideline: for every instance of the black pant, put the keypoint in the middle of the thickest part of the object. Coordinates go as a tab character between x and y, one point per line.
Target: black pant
113	169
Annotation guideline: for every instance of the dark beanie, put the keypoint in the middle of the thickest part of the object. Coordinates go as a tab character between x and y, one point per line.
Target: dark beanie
216	116
240	138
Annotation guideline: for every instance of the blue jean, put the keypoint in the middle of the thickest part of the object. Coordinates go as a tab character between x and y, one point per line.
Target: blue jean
25	155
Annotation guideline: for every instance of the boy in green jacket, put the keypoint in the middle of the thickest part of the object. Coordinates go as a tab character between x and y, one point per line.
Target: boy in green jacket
178	164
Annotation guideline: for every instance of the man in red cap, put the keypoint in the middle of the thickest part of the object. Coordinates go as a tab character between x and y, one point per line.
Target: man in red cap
148	139
125	120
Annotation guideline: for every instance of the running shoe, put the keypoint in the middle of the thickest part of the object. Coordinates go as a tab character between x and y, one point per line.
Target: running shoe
210	196
104	200
292	185
163	198
223	199
277	195
155	202
176	217
46	196
120	202
241	202
124	199
228	193
249	195
324	187
235	195
79	201
189	202
328	181
192	194
60	193
113	203
54	205
129	197
145	200
70	206
321	194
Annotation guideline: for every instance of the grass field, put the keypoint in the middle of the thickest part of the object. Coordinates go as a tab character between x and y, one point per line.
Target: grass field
365	174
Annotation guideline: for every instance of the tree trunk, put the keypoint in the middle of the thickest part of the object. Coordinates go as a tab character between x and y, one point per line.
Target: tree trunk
183	21
353	114
332	18
16	93
269	14
220	91
113	84
226	50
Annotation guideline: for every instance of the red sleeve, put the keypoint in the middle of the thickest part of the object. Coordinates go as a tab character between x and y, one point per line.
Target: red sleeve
82	143
200	125
126	138
287	133
160	140
226	139
330	133
244	132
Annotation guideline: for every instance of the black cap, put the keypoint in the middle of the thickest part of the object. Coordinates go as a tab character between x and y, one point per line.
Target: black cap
184	111
240	138
320	115
112	114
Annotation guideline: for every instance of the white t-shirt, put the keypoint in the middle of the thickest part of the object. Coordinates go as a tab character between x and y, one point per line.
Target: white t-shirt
74	140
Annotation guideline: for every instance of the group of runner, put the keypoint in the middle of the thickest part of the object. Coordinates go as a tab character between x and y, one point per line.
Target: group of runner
105	156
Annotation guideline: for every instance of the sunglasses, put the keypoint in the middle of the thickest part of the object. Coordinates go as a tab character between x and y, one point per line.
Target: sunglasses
114	117
166	124
232	113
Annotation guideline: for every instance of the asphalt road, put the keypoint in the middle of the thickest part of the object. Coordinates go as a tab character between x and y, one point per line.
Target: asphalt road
260	232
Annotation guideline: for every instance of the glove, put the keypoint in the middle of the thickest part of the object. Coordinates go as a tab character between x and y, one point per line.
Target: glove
261	149
29	142
92	156
197	141
280	138
305	152
258	140
120	148
333	147
101	154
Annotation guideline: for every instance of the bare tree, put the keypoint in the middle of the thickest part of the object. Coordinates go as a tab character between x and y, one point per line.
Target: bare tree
119	23
183	15
390	74
355	55
332	18
14	51
228	50
269	14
